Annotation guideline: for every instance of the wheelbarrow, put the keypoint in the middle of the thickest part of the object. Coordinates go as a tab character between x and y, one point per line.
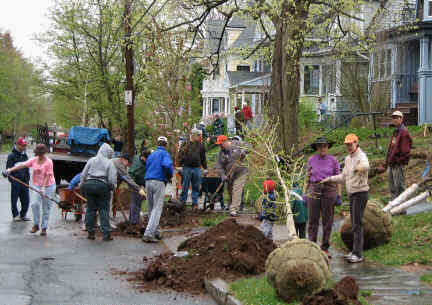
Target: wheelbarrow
75	201
209	186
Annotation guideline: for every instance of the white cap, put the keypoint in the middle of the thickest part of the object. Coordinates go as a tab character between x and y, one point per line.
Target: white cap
162	139
196	131
202	123
397	113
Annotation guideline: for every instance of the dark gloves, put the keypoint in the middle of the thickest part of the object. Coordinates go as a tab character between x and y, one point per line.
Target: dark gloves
5	173
338	201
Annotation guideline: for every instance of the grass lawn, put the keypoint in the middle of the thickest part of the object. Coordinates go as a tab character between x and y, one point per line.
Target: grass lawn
412	236
257	291
427	278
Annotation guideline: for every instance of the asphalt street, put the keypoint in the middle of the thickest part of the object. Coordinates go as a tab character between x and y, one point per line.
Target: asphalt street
67	268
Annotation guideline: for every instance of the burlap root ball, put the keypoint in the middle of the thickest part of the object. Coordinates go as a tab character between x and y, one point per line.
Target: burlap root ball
297	268
377	225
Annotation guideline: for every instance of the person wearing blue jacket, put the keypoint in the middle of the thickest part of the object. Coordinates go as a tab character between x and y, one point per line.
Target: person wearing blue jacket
159	170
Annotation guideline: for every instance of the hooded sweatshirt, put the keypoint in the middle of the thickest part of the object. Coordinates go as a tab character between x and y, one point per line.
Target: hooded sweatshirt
101	168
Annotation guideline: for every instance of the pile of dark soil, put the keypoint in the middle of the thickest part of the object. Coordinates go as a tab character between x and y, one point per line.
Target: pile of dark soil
228	251
343	293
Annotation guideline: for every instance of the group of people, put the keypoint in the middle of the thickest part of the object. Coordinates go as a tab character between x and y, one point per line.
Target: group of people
149	173
324	188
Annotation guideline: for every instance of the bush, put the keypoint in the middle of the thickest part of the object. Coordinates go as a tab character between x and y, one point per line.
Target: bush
338	135
307	116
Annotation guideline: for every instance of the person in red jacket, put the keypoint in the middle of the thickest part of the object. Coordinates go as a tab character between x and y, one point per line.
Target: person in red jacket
398	155
247	113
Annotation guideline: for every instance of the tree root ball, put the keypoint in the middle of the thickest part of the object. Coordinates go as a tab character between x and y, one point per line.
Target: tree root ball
296	269
377	225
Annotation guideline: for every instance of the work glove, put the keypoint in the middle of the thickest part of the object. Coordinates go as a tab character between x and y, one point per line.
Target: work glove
142	192
338	201
180	170
5	173
223	178
205	172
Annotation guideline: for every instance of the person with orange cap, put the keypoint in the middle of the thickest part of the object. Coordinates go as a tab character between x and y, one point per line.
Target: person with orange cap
230	168
268	209
398	155
355	176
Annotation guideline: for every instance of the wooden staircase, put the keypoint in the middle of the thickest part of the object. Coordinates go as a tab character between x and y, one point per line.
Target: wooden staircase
409	111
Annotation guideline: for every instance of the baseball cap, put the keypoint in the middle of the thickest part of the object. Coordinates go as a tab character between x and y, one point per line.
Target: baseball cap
221	139
397	113
125	156
196	131
21	141
351	138
163	139
202	123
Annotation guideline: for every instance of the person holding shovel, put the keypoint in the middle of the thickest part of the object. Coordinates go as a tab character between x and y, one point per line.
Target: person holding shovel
231	170
18	190
355	175
98	179
321	198
44	181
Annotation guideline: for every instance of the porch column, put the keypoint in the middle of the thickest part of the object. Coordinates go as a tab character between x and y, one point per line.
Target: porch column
253	105
204	106
235	99
226	105
425	83
338	76
260	103
395	75
243	98
209	106
320	80
302	80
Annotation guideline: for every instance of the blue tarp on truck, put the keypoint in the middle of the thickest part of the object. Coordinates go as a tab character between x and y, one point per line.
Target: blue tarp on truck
85	140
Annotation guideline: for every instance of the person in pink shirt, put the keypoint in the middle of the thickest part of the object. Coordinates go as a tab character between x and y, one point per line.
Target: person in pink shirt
43	180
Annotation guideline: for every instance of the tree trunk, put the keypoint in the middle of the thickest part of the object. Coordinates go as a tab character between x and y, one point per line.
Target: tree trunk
285	84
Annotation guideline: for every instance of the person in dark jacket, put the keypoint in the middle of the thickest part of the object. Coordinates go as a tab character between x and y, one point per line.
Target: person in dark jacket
268	209
398	155
204	134
18	190
218	125
300	212
239	121
118	146
137	171
159	170
192	157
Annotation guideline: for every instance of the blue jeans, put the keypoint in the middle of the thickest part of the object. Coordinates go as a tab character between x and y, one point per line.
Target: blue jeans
135	207
98	197
38	200
191	174
22	192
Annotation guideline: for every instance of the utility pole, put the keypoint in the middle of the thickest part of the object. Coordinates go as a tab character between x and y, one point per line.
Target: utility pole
129	93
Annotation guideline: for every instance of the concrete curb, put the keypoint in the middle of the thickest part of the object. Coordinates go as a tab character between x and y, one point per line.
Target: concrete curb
219	291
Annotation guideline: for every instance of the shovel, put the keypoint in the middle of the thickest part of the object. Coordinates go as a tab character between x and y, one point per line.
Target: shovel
62	204
216	193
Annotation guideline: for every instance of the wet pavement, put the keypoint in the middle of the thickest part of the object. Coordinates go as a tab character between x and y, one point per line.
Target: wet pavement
66	268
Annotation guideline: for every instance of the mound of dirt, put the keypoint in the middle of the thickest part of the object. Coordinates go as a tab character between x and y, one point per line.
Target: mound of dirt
344	293
228	251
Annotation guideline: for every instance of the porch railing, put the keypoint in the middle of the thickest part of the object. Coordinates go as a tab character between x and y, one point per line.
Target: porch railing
407	88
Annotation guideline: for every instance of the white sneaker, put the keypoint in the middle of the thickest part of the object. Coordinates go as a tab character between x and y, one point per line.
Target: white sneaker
355	259
16	219
233	214
348	256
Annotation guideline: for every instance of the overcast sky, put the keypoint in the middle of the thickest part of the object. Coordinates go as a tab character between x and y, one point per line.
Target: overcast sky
24	19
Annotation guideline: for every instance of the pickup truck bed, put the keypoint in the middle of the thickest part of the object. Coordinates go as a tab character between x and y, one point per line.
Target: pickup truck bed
66	166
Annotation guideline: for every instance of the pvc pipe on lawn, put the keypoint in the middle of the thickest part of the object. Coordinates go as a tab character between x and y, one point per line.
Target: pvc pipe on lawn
401	198
416	200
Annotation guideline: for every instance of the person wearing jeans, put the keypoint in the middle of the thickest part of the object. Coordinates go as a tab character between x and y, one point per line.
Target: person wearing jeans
355	175
192	157
44	181
98	179
159	170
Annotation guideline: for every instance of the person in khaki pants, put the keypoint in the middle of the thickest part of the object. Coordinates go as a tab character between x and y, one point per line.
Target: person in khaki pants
230	168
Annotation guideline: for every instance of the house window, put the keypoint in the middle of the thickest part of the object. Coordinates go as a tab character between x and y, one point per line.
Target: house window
388	63
215	105
243	68
430	8
381	64
311	80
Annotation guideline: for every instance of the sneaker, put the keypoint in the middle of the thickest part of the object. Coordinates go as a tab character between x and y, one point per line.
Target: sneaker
355	259
233	214
23	218
91	236
149	239
348	256
158	235
43	232
34	229
107	238
16	219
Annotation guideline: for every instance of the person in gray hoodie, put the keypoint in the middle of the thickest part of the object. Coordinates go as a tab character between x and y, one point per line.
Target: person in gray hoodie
98	179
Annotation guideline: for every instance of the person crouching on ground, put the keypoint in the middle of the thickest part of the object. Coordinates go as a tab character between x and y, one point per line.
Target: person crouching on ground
159	170
268	209
137	171
192	157
44	181
355	175
230	169
98	179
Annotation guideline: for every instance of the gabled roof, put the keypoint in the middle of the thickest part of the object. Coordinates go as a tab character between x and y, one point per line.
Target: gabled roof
237	77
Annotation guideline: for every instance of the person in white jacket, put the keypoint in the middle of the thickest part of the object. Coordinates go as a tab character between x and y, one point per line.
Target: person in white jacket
355	176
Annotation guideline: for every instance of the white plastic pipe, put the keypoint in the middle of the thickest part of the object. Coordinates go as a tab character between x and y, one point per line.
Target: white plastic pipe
416	200
296	195
401	198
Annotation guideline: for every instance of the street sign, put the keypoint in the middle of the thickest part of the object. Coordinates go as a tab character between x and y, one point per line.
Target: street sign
128	97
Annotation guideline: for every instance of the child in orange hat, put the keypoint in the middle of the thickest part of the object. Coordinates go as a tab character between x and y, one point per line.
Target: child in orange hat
268	209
